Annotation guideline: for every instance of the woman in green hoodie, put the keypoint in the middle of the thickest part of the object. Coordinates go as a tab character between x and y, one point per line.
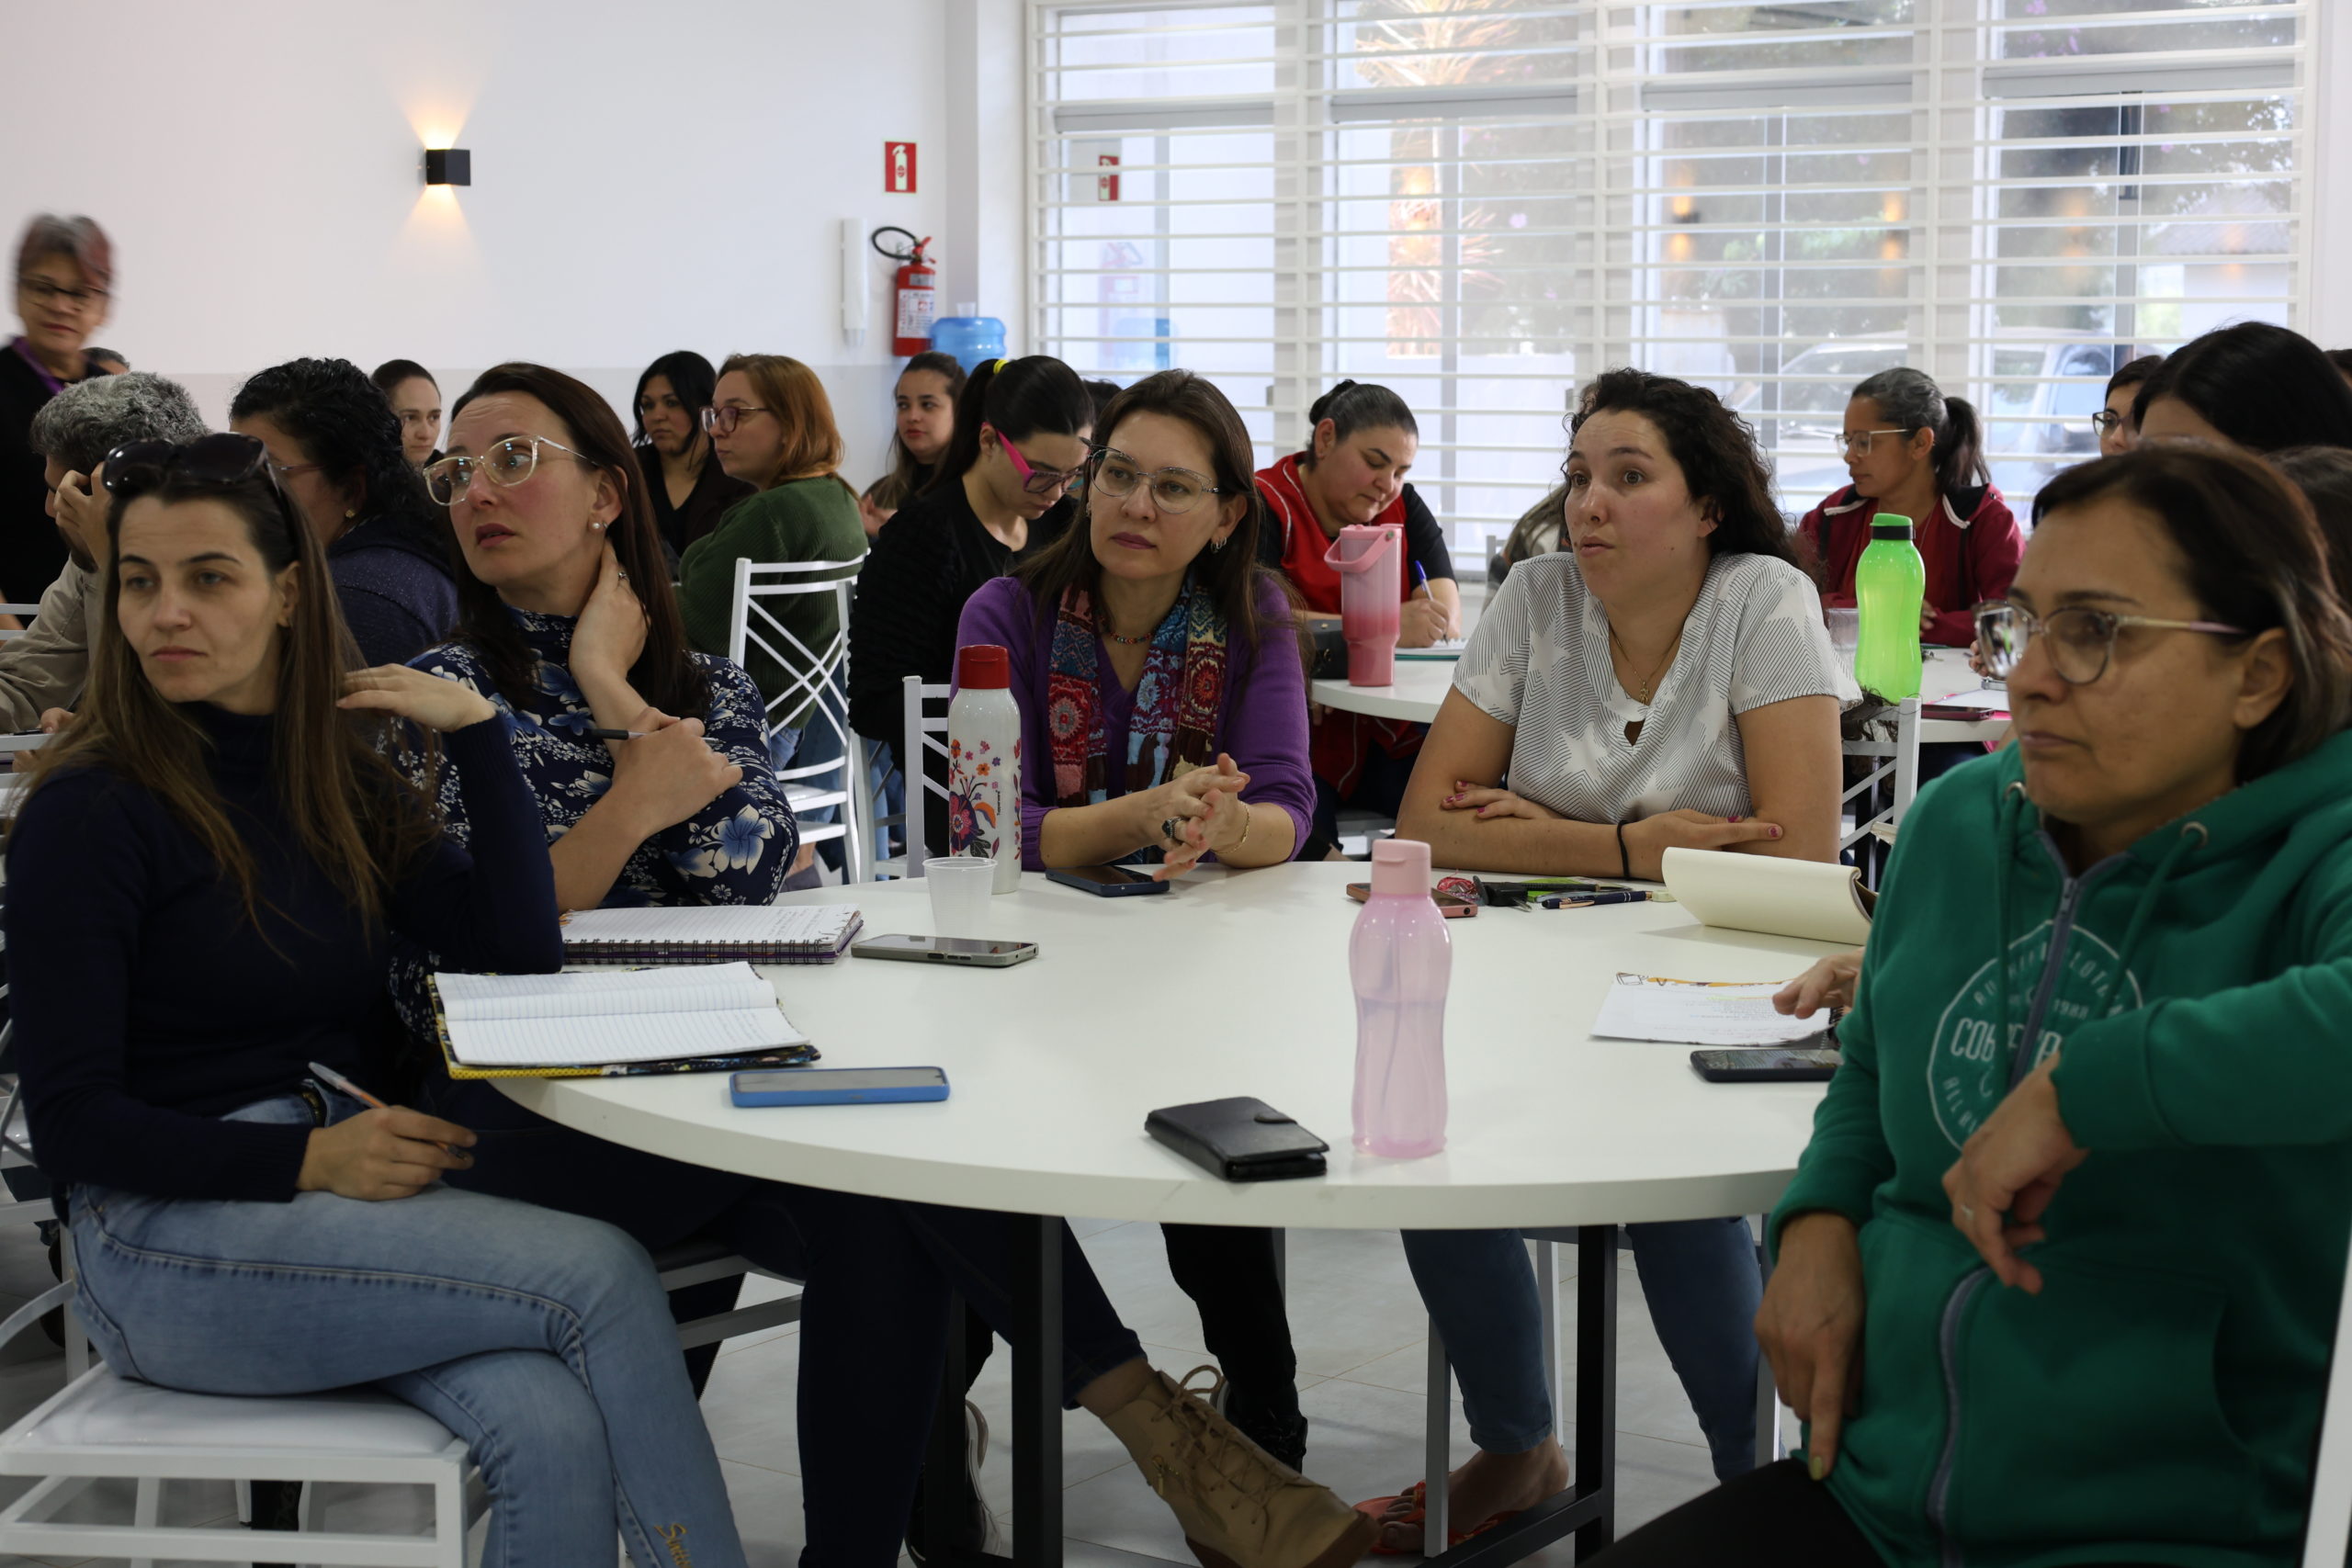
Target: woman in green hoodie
2058	1276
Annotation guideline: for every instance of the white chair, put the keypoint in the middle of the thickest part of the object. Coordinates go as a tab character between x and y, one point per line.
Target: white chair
923	730
22	612
1877	803
2327	1534
102	1426
811	675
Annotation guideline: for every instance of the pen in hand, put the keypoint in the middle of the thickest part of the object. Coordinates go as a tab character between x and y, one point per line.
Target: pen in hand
600	734
335	1080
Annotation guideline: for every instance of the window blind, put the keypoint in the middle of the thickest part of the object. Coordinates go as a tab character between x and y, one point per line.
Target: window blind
1482	203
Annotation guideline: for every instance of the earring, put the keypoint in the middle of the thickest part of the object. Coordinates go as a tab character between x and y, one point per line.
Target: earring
595	527
1215	544
348	514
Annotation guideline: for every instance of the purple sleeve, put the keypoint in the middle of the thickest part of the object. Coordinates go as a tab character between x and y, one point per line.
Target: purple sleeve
1001	612
1265	723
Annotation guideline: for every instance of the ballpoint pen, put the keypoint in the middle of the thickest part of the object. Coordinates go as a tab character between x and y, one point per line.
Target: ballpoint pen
335	1080
1605	895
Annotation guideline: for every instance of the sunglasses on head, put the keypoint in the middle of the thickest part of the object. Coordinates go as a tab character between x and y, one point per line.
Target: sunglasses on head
137	467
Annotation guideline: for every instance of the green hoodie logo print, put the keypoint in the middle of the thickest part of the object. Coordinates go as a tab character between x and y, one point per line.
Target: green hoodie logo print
1970	1063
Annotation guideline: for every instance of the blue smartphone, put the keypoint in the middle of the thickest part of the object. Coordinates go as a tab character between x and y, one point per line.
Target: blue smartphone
837	1085
1110	881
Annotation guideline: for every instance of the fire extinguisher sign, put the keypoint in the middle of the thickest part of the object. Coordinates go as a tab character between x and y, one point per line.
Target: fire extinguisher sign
899	167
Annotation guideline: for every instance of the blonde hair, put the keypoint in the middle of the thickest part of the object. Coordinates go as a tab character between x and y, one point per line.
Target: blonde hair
791	392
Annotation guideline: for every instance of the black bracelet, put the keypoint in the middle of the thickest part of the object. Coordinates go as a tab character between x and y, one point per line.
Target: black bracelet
1624	862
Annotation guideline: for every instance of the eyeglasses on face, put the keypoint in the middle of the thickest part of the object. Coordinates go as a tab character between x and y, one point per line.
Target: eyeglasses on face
137	467
722	419
2107	421
1172	490
47	292
1036	481
508	462
1857	443
2080	641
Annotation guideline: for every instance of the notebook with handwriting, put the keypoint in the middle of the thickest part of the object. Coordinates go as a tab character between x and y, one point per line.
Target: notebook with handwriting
692	1018
757	933
1762	893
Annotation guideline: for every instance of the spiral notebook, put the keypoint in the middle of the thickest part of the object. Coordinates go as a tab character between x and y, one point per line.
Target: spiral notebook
685	1019
757	933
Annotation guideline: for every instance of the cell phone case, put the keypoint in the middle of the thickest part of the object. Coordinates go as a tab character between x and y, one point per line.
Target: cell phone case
1241	1139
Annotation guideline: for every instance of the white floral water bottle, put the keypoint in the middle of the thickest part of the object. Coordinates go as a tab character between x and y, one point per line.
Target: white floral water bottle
984	762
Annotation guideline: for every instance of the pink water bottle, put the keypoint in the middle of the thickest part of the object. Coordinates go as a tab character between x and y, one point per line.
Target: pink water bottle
1400	958
1370	560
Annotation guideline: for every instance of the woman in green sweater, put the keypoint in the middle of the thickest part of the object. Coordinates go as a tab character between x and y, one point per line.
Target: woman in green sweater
772	426
2059	1273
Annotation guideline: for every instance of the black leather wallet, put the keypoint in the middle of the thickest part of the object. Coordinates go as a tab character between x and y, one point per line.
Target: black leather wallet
1240	1139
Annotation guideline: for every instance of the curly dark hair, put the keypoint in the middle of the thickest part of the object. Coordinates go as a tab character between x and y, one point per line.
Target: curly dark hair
1717	451
346	427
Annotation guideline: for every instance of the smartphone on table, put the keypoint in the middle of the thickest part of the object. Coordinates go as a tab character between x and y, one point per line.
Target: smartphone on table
1110	881
977	951
1771	1063
837	1086
1452	906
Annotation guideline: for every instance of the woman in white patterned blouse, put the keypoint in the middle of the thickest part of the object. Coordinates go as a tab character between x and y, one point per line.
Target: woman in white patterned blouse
1664	679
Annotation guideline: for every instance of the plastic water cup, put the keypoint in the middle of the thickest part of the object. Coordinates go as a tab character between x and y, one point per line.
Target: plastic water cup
1845	629
960	886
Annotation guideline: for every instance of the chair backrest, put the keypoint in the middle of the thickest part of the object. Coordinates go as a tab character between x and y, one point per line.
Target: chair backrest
1890	744
2328	1533
22	612
923	733
813	676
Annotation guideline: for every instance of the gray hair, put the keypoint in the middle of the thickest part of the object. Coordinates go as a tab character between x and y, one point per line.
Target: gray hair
1911	400
79	426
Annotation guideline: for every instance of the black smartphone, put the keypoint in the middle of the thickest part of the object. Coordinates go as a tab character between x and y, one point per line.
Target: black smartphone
975	950
1771	1064
1110	881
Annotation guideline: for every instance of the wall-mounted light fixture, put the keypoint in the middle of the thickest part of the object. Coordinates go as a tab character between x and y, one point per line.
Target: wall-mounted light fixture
448	166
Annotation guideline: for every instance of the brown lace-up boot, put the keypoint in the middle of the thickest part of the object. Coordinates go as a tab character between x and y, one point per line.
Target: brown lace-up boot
1239	1507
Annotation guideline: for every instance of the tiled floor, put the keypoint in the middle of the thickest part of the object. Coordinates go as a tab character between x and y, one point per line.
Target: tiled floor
1360	1332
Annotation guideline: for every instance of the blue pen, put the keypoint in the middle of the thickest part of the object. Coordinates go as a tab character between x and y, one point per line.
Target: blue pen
1586	900
1421	578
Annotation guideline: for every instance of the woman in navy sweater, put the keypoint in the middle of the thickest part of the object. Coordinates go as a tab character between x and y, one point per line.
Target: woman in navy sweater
203	885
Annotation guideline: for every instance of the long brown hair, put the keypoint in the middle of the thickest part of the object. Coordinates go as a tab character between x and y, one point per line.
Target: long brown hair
353	810
665	675
793	396
1243	589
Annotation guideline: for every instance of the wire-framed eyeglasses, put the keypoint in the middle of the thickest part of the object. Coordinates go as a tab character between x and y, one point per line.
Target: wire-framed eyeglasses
1173	490
503	463
2079	640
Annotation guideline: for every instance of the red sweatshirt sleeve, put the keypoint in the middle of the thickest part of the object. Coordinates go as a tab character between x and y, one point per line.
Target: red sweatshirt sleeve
1993	547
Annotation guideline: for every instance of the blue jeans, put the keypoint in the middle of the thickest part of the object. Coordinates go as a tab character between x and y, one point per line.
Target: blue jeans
1704	1286
541	1339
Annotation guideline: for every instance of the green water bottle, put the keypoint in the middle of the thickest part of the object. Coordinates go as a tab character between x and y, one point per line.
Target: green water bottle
1891	585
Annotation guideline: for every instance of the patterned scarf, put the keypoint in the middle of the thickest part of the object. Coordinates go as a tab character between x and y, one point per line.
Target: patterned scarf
1174	726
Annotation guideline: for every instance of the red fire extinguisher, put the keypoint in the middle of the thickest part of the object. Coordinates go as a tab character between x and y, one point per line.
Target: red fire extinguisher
917	293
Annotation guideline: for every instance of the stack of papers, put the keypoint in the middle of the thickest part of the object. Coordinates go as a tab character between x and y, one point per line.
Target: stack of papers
1700	1012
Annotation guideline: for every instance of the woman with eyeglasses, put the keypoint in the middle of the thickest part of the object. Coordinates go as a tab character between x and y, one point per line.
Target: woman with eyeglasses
1363	442
204	879
998	496
2059	1273
688	489
335	448
771	426
1916	453
2117	432
64	278
1163	708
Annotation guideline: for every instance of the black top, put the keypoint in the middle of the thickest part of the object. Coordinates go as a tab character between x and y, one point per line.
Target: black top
715	491
147	1004
393	579
31	552
930	557
1424	540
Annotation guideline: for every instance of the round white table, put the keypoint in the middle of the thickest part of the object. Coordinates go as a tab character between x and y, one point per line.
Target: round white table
1421	685
1237	984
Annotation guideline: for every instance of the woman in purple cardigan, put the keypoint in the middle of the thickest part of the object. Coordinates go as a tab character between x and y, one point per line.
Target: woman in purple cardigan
1163	714
1155	664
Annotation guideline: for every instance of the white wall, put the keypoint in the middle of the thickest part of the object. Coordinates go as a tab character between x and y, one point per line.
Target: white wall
2329	321
645	178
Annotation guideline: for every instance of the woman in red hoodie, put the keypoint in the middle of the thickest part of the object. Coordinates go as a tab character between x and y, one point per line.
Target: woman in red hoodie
1918	454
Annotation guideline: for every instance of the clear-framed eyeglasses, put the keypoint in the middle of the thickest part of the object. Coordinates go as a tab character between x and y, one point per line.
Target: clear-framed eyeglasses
1173	490
1857	443
2079	640
503	463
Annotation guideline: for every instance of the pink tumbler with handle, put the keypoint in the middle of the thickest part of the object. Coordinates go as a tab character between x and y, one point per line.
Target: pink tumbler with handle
1370	561
1400	960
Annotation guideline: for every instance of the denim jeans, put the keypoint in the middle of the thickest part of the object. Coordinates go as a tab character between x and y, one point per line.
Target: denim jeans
1704	1286
541	1339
